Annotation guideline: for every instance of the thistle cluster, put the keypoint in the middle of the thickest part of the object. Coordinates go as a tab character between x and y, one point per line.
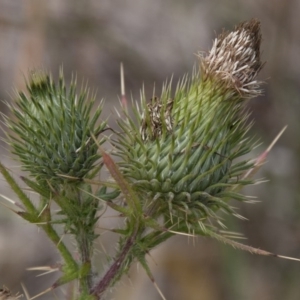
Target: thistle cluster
179	162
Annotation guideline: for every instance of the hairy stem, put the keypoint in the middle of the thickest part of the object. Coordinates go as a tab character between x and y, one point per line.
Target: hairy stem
84	247
84	237
115	269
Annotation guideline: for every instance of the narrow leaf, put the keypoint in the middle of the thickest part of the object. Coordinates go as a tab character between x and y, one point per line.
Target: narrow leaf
19	192
130	196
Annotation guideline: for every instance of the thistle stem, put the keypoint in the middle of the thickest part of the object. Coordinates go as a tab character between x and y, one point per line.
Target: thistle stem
115	270
85	254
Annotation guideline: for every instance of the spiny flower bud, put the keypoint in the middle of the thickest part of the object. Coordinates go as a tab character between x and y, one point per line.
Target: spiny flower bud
181	159
52	131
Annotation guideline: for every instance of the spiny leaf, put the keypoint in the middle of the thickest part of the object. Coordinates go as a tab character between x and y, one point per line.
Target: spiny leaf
144	264
247	248
130	196
19	192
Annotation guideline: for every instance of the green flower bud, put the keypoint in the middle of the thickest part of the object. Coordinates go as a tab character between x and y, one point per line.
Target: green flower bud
51	130
181	159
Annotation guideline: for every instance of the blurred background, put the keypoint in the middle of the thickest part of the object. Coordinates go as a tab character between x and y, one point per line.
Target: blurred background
155	40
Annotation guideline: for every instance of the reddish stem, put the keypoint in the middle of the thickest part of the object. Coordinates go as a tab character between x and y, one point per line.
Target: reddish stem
105	282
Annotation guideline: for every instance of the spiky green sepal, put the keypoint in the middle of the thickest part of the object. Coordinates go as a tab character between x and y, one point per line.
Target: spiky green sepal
181	160
52	131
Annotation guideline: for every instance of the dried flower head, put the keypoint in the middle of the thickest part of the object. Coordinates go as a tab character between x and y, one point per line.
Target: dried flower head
156	117
5	294
235	58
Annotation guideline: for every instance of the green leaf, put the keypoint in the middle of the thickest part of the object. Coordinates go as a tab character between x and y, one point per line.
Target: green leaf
107	196
41	190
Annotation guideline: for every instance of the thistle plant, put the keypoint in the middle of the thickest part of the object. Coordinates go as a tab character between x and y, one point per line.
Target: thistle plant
176	166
